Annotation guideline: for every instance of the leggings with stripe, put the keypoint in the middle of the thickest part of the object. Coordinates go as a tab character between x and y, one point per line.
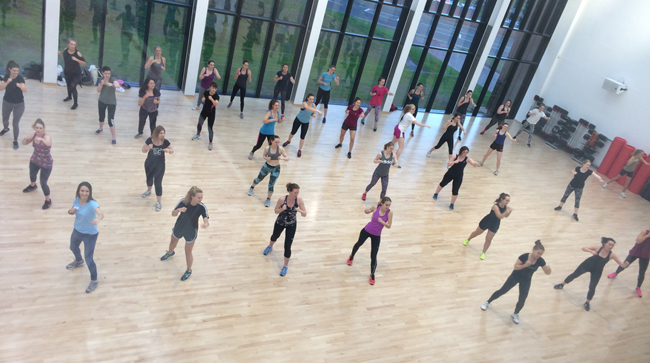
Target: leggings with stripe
374	240
384	184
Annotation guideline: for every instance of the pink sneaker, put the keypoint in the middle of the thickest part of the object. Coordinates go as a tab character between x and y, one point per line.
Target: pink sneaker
638	292
612	275
350	262
363	197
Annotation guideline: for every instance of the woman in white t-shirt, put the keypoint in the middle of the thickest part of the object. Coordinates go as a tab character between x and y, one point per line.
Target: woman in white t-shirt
405	122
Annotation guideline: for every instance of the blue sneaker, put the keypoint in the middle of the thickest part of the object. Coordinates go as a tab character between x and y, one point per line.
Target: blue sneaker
250	191
267	203
451	206
267	250
435	196
284	271
324	120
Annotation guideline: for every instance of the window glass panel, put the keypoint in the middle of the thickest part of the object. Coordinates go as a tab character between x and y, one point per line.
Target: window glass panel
522	14
216	43
466	36
334	14
292	10
460	7
347	67
21	30
228	5
435	4
482	16
497	42
373	69
430	71
471	10
518	85
449	80
363	12
76	21
533	48
515	41
510	15
423	29
497	85
261	8
447	7
122	45
443	33
533	16
283	49
185	2
167	30
388	20
250	47
481	84
407	77
323	59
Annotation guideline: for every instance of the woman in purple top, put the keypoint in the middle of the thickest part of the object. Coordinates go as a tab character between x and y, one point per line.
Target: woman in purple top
641	250
354	111
382	217
207	77
41	160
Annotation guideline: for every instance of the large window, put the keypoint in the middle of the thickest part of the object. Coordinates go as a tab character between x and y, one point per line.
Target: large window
21	32
266	33
360	38
444	46
516	53
122	34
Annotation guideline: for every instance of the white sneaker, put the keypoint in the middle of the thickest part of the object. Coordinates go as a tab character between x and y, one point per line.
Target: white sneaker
485	305
158	207
146	193
428	154
623	194
515	318
605	185
196	137
496	172
210	146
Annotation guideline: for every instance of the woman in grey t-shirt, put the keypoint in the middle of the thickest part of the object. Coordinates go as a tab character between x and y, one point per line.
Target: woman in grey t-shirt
106	89
385	159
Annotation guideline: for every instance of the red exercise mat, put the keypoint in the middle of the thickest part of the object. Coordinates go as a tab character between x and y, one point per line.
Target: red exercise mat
614	149
641	176
621	160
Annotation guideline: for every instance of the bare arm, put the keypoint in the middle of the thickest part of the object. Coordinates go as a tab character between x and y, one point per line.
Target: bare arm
206	222
169	149
309	108
547	269
368	210
618	260
573	172
202	74
421	124
214	102
164	64
447	124
27	140
81	62
267	117
100	216
4	85
501	110
460	102
472	101
276	78
377	159
336	80
510	137
642	236
146	148
141	100
522	265
592	250
250	76
320	81
301	207
598	177
293	81
279	206
237	73
389	222
641	159
216	72
284	154
472	162
410	93
498	213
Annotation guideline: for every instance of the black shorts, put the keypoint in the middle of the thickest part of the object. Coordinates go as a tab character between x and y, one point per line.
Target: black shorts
629	173
487	223
346	127
188	233
497	147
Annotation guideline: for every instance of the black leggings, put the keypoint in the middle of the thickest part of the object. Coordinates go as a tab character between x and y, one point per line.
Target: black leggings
493	122
71	82
455	187
143	119
324	95
101	106
374	240
45	174
199	126
288	236
283	95
242	95
446	139
524	287
593	282
155	174
300	125
260	141
643	266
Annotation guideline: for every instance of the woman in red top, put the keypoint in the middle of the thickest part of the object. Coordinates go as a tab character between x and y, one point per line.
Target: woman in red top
354	111
377	92
641	250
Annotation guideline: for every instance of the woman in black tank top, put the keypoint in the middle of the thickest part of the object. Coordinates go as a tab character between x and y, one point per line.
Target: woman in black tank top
594	265
455	173
242	75
73	60
491	222
499	116
448	137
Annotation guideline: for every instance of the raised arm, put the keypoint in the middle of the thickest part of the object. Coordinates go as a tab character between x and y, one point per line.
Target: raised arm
301	207
369	210
501	110
641	159
421	124
309	108
642	236
388	222
336	80
592	250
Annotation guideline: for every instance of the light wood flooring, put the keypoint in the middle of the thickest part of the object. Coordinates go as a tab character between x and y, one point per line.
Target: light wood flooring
425	306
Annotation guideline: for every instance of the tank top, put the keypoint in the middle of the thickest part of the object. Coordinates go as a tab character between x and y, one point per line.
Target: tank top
304	115
500	116
493	216
596	262
269	127
72	68
630	168
374	227
288	216
462	109
274	156
501	138
155	72
415	99
641	250
207	80
384	165
451	129
41	155
458	168
241	79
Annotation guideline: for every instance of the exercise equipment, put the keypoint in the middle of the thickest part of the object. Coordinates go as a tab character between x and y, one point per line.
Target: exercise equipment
612	153
641	177
620	161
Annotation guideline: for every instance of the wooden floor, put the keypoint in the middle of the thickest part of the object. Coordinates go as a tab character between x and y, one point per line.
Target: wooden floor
425	306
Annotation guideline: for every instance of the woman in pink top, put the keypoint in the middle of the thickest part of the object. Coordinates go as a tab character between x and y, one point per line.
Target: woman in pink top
377	92
382	217
354	111
641	250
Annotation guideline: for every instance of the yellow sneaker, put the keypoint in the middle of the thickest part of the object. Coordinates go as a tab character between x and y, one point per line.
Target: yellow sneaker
465	242
483	256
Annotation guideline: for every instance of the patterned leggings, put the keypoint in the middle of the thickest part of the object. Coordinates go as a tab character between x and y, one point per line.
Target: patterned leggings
384	184
266	169
568	191
377	109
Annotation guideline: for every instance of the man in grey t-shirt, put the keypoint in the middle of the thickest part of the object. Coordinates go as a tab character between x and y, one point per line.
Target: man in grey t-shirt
531	120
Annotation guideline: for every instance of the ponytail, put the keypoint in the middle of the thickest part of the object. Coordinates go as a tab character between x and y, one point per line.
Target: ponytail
191	193
383	200
502	196
388	144
538	246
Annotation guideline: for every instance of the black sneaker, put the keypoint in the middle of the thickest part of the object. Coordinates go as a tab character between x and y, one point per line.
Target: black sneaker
74	264
167	255
4	131
587	306
575	216
47	204
15	145
349	155
337	146
557	208
30	188
67	99
137	136
528	145
74	107
558	287
286	143
92	286
514	137
186	275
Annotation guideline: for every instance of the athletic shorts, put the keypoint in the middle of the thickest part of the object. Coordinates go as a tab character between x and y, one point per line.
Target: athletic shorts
486	223
189	234
346	127
629	173
497	147
397	132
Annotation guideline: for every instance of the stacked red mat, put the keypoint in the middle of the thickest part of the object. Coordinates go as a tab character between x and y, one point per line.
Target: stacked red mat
616	158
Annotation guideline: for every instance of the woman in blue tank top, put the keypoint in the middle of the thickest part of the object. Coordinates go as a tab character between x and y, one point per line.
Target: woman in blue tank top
267	131
502	132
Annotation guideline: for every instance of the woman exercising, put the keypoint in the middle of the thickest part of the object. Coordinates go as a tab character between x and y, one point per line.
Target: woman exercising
499	117
385	159
448	137
594	265
461	108
377	92
491	222
156	65
41	160
302	121
353	113
72	62
404	123
324	83
382	217
628	170
148	100
207	78
13	99
502	132
580	175
282	79
641	250
267	131
525	267
455	174
107	100
287	208
210	101
187	226
154	166
272	155
413	97
242	76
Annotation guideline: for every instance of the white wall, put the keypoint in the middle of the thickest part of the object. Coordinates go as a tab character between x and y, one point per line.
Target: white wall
607	39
